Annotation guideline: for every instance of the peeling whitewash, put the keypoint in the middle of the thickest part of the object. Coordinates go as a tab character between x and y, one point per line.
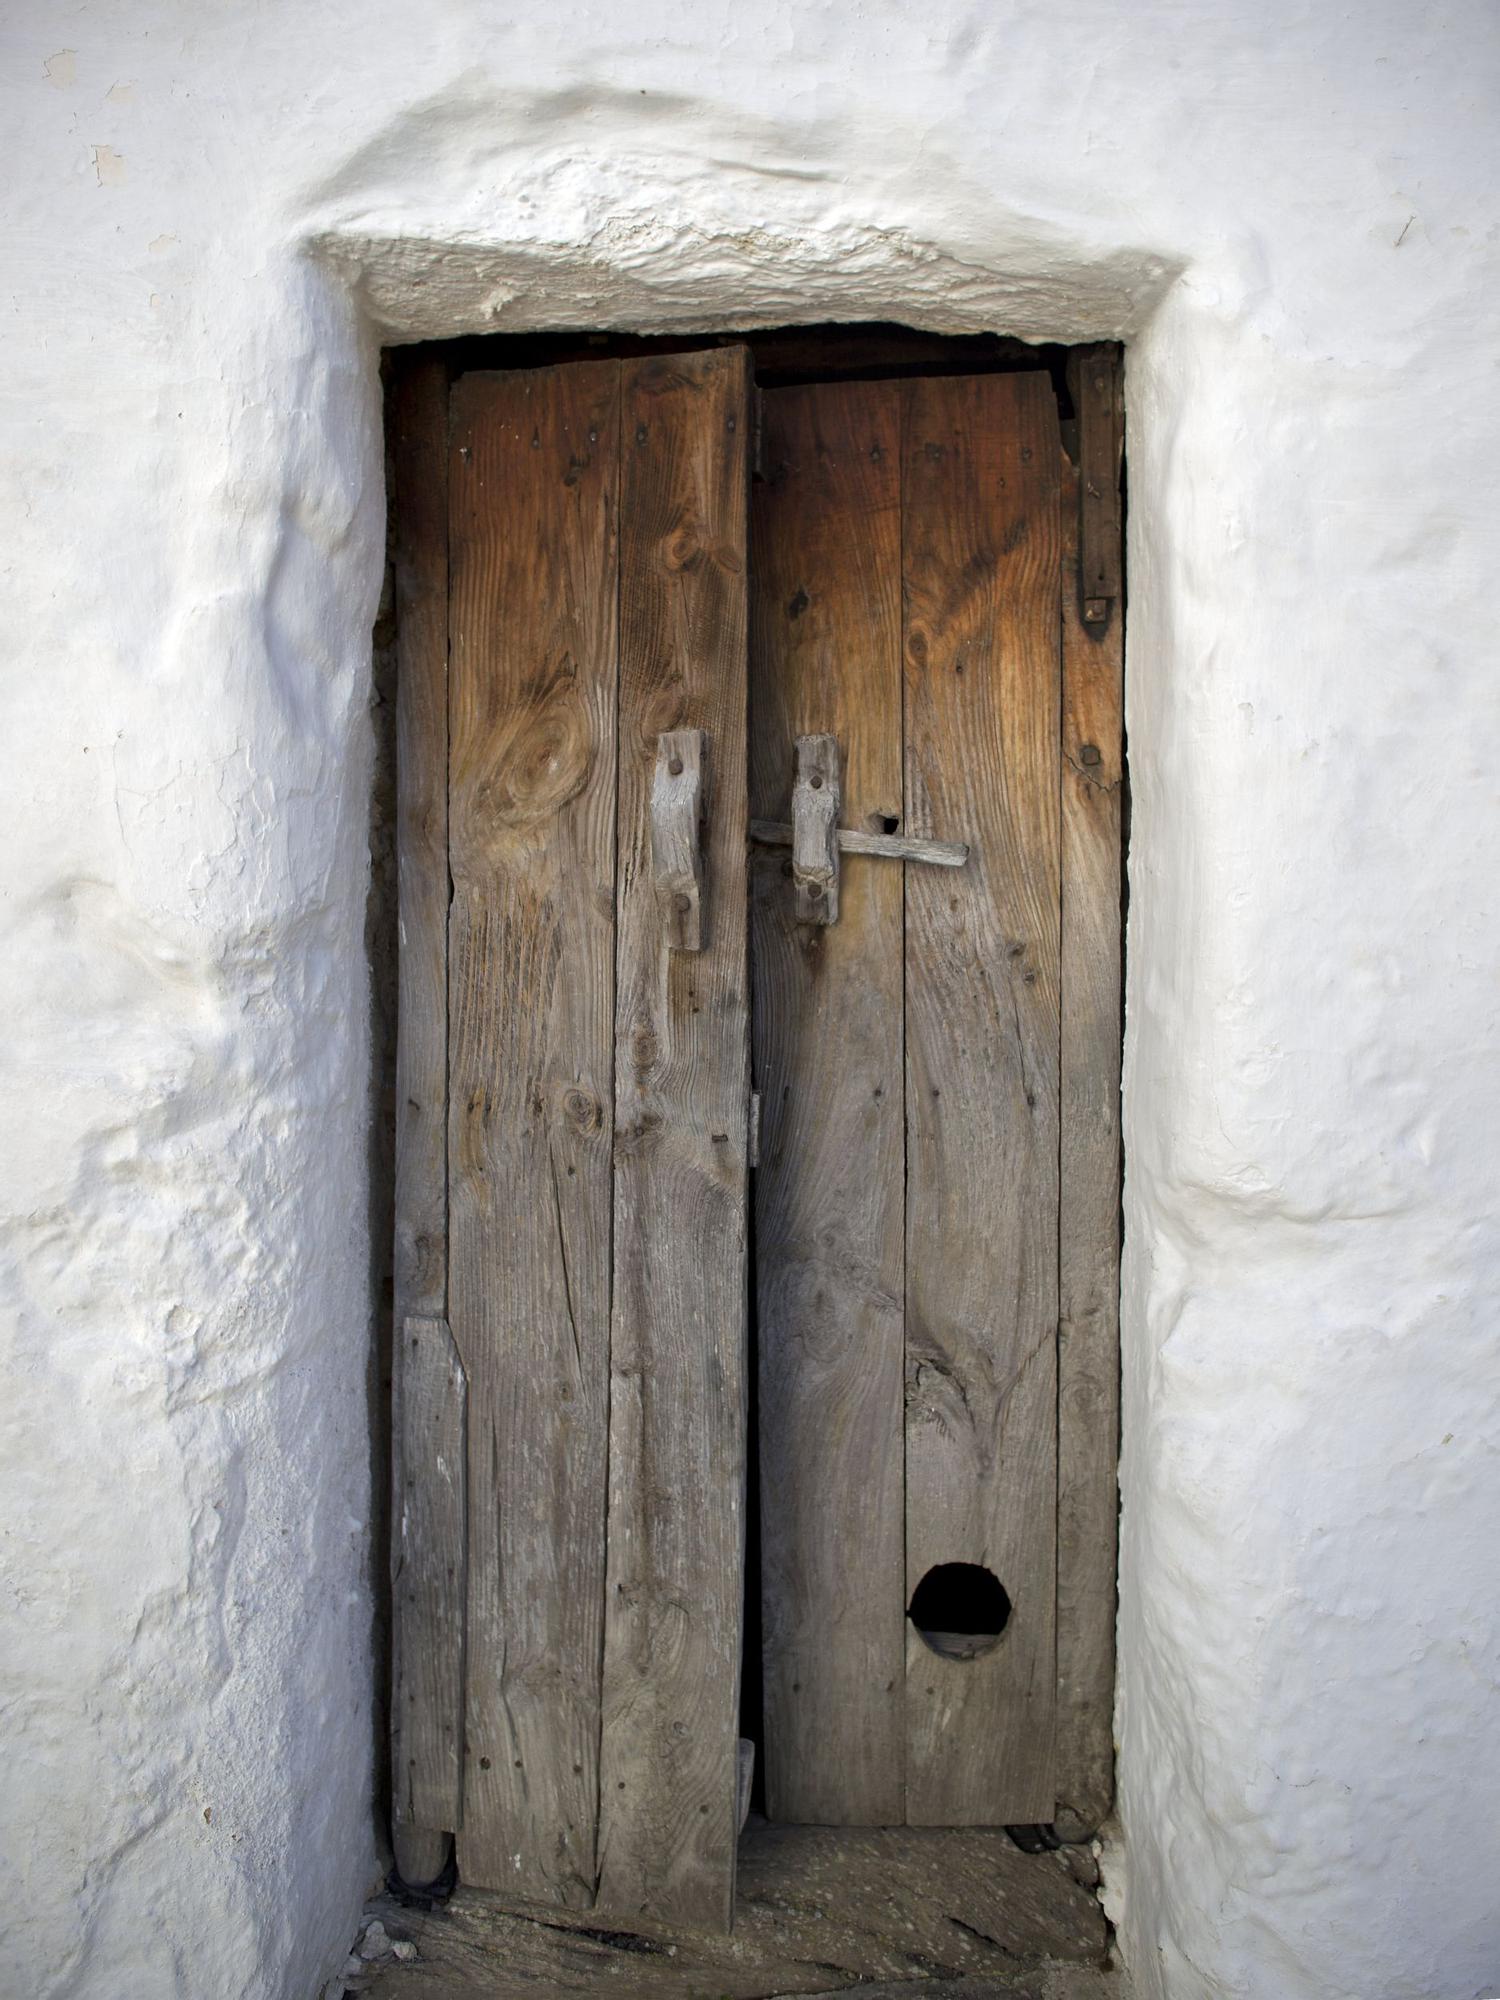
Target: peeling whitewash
216	214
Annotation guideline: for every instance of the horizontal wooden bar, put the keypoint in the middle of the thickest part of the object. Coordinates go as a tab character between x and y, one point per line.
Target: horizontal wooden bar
890	846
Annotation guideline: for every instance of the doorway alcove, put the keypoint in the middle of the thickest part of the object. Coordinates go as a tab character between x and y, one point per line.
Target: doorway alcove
792	369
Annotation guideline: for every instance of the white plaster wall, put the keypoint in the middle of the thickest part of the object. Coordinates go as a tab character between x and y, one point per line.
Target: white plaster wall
215	213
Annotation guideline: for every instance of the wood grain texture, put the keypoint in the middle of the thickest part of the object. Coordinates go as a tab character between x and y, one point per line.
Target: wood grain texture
531	980
888	846
679	807
1092	777
1094	378
877	1914
825	657
427	1656
817	799
677	1367
430	1581
980	575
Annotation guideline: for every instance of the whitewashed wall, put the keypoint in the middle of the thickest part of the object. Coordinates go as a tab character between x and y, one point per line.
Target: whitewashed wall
215	215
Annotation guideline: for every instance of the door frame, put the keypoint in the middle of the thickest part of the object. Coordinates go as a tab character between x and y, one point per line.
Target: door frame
1092	709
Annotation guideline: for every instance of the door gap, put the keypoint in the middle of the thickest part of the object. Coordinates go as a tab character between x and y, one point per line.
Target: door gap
784	357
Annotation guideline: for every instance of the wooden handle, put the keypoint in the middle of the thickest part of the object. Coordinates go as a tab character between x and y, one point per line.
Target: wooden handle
816	794
679	807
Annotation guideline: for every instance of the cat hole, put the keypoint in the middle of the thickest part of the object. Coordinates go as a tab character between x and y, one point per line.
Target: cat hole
960	1610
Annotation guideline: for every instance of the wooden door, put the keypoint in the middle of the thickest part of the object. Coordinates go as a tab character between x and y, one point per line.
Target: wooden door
594	615
939	1071
572	1133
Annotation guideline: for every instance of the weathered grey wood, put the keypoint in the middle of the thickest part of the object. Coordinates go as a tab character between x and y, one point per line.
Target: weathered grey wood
669	1756
534	484
430	1529
888	846
426	1654
826	656
1092	776
875	1913
817	795
679	803
981	564
1094	376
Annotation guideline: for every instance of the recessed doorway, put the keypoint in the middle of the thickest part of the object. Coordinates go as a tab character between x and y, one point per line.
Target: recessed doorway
759	821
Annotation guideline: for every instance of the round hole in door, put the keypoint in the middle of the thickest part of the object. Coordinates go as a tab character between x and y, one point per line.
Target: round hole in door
960	1610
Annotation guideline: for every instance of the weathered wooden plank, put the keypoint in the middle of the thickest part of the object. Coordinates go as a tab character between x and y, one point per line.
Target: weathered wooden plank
533	476
669	1757
826	656
822	1909
426	1653
981	566
1092	776
428	1586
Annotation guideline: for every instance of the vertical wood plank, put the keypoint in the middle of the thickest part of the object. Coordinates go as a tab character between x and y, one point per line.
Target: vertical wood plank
677	1375
826	657
531	976
432	1527
1092	777
981	577
1094	376
427	1649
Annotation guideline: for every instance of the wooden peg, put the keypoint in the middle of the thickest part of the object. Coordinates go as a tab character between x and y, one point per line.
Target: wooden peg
815	822
679	807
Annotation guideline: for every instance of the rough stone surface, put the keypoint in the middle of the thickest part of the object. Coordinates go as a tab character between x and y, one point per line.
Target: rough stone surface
375	1943
214	216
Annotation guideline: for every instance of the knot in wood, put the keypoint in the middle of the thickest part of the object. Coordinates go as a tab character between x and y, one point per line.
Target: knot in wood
583	1112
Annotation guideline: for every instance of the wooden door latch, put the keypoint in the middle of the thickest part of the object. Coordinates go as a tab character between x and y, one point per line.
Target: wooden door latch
679	814
817	840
